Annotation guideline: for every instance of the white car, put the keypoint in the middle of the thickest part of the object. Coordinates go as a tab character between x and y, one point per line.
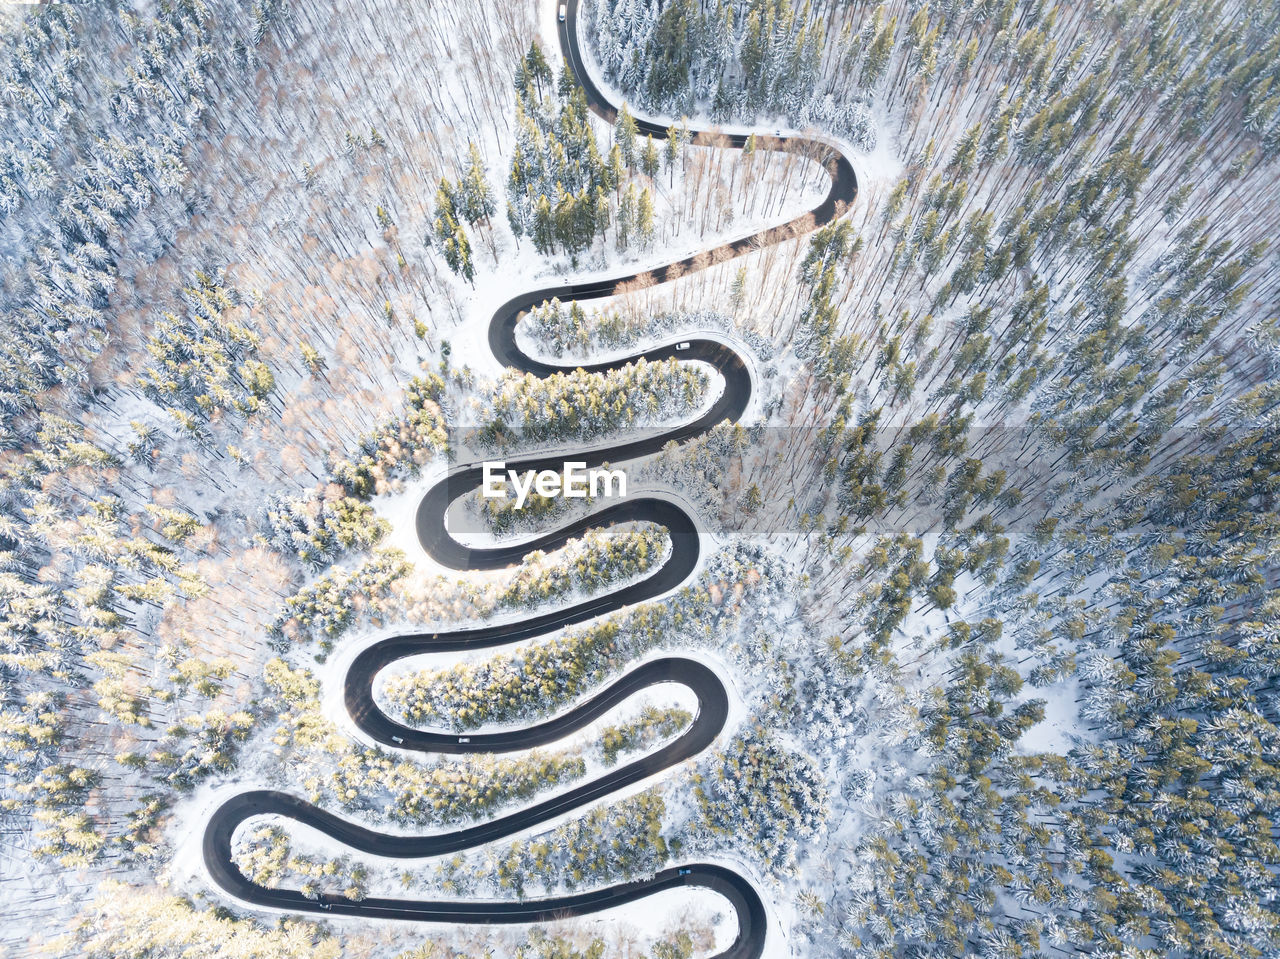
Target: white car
397	739
682	346
564	11
464	739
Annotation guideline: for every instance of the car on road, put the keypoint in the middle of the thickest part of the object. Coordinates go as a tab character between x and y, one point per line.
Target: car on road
326	906
684	872
564	11
682	346
397	739
464	739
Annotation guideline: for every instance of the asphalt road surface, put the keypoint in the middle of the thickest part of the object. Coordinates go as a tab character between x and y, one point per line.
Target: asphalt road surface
436	540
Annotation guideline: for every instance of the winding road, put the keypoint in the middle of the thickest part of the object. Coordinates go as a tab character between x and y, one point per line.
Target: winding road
436	540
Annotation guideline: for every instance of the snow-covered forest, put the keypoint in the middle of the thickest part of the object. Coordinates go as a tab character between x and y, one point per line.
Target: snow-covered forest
987	565
735	62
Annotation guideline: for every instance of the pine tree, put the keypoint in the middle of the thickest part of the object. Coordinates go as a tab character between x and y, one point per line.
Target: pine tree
537	68
644	219
602	212
457	251
475	197
624	133
627	211
544	229
649	161
446	213
738	293
615	171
